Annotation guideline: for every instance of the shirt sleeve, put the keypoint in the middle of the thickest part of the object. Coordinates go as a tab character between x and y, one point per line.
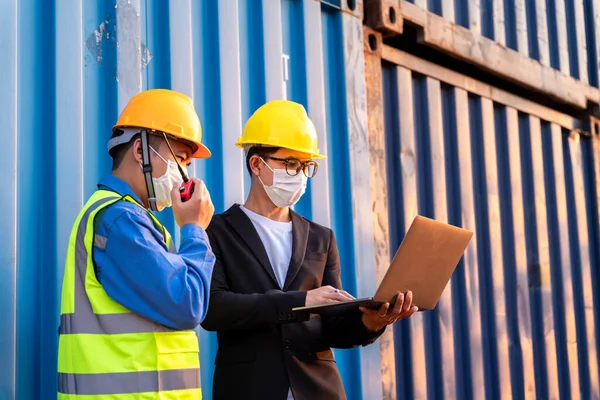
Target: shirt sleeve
139	273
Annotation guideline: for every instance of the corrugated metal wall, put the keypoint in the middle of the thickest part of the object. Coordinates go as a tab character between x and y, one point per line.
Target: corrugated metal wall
520	316
562	34
68	67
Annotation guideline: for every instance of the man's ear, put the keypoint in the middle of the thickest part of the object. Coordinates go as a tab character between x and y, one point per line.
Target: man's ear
136	150
255	165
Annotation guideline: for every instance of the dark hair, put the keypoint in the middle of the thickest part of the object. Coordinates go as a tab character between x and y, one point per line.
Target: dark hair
258	151
118	152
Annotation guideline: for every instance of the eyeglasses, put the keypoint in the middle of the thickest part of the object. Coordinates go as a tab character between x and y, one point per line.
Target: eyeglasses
293	166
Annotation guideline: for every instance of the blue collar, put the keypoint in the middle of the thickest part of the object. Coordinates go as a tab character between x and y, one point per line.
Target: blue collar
117	185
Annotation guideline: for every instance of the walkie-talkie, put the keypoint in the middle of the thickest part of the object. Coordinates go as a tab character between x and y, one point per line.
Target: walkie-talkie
187	187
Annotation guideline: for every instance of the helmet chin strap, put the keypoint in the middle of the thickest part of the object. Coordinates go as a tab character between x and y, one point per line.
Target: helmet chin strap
147	169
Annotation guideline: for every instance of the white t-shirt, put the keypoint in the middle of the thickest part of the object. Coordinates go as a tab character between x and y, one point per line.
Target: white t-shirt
276	237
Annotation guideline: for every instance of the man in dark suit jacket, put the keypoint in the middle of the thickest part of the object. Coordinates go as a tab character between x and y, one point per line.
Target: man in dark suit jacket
271	260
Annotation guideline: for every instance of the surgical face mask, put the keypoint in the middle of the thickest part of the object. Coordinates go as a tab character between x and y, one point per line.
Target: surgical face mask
286	190
163	185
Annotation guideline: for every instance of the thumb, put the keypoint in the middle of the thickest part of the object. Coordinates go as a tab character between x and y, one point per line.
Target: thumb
175	196
384	308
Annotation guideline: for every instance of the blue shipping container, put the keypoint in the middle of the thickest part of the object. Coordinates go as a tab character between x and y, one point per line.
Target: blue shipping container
69	67
404	136
519	318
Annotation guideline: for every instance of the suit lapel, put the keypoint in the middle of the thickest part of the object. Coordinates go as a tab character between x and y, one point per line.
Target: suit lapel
300	228
243	226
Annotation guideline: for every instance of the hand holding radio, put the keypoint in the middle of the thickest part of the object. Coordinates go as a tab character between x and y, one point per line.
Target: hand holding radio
198	209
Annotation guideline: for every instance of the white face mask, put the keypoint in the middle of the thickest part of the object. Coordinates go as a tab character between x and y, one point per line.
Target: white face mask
164	185
286	190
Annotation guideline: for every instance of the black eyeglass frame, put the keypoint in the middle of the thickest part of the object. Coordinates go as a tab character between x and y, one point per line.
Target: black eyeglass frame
303	165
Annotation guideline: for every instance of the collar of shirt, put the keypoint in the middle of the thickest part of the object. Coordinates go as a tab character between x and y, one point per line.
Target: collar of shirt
114	184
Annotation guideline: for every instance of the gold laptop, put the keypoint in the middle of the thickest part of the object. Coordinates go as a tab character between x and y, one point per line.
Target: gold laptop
423	264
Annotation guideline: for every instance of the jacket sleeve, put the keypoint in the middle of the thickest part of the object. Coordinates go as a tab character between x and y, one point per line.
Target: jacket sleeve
230	311
345	331
136	270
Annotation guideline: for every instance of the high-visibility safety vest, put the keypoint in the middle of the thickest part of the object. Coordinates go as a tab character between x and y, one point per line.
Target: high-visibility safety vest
105	350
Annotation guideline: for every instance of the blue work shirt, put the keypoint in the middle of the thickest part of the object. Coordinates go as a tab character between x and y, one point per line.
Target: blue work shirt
136	269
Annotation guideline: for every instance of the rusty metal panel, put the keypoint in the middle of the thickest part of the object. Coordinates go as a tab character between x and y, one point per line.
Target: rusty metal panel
550	46
524	309
533	73
562	34
379	192
357	151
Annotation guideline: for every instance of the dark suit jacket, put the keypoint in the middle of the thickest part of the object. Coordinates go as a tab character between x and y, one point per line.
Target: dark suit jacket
264	347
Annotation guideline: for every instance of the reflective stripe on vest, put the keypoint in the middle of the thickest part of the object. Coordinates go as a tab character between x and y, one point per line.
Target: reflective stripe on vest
128	382
105	349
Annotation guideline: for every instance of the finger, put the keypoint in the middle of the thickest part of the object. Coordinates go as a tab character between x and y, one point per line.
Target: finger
407	302
334	296
400	317
411	312
332	299
175	196
345	297
408	313
209	202
330	289
205	191
206	202
340	297
348	295
368	311
398	305
199	183
383	310
201	189
340	292
207	194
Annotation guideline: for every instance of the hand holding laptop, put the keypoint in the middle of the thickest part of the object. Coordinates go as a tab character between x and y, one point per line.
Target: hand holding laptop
376	320
423	264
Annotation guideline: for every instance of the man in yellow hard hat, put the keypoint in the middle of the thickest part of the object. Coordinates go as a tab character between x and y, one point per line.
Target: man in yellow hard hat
130	300
271	260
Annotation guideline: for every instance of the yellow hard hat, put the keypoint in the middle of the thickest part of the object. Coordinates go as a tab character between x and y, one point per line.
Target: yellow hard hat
281	123
163	111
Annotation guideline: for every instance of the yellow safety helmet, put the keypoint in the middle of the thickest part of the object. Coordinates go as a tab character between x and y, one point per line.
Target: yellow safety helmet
281	123
164	111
